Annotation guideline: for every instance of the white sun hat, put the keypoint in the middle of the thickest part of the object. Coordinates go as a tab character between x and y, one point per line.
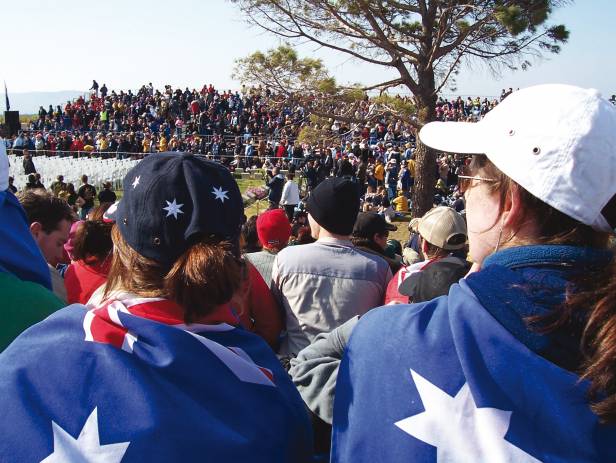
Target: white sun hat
556	141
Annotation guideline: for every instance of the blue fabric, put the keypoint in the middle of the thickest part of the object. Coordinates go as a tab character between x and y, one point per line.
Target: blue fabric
456	342
526	281
19	253
171	398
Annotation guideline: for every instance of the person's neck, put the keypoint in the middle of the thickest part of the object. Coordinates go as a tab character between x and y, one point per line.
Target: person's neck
325	234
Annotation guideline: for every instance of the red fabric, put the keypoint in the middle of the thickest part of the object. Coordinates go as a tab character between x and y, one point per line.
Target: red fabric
392	296
77	145
273	228
81	280
258	310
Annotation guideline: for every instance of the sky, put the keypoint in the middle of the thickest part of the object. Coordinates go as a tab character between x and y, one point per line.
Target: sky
57	45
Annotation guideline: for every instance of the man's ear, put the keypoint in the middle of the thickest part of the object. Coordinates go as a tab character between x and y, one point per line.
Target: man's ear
36	229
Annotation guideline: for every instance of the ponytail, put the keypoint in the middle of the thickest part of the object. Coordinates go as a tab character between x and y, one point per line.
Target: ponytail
207	275
204	277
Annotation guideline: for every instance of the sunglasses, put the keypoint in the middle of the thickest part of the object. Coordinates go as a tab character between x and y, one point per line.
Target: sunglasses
465	181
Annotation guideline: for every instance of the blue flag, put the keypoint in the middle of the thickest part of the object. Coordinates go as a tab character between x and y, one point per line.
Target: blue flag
129	382
443	381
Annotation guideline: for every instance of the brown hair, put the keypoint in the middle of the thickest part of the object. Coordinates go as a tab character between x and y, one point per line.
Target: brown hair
589	310
204	277
45	208
92	239
98	213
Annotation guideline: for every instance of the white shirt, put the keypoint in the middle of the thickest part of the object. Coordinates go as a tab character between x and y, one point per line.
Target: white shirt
290	194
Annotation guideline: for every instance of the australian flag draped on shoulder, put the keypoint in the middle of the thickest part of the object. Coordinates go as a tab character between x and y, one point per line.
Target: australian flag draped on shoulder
129	382
443	381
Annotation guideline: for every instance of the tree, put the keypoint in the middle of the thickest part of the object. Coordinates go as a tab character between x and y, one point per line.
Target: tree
424	42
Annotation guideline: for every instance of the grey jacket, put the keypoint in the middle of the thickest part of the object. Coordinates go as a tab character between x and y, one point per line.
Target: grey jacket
315	369
263	262
322	285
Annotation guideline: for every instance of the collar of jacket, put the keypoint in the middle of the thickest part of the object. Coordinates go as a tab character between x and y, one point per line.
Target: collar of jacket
527	281
329	240
548	255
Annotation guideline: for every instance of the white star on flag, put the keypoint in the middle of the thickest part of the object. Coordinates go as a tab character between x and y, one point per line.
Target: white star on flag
173	209
86	447
136	181
459	430
220	194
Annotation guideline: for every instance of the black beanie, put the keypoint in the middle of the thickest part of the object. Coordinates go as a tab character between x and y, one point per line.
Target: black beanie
334	204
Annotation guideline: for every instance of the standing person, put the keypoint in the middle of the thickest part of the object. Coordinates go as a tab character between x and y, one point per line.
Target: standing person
516	363
164	326
275	185
86	195
49	220
28	164
94	87
290	196
107	195
58	186
310	173
323	284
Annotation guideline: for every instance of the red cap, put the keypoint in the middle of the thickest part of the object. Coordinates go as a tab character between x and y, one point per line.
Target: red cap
273	228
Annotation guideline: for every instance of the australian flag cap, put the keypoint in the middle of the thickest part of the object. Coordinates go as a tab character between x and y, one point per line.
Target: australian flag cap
171	200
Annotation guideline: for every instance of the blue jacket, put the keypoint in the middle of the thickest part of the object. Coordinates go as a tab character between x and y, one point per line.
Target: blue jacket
462	378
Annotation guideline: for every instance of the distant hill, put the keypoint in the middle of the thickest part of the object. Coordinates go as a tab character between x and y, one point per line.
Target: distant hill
29	102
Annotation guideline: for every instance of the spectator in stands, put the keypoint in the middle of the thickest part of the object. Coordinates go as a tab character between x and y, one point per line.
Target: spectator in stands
49	220
323	284
91	255
274	231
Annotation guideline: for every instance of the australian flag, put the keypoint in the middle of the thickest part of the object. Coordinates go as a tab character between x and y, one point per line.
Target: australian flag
444	381
128	381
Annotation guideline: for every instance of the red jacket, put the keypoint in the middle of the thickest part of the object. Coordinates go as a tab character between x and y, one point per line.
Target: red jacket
258	310
81	280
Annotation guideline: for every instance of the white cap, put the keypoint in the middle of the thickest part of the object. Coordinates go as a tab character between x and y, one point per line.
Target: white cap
4	166
556	141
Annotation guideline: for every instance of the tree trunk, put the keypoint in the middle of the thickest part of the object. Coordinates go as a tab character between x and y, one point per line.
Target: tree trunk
425	158
425	180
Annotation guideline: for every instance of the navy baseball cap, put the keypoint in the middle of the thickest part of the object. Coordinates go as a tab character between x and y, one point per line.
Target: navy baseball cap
172	200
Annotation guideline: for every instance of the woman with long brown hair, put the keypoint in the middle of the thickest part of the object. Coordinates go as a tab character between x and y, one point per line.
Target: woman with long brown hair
518	362
156	368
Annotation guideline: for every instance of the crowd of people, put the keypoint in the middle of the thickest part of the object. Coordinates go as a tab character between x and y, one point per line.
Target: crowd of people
253	122
305	333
